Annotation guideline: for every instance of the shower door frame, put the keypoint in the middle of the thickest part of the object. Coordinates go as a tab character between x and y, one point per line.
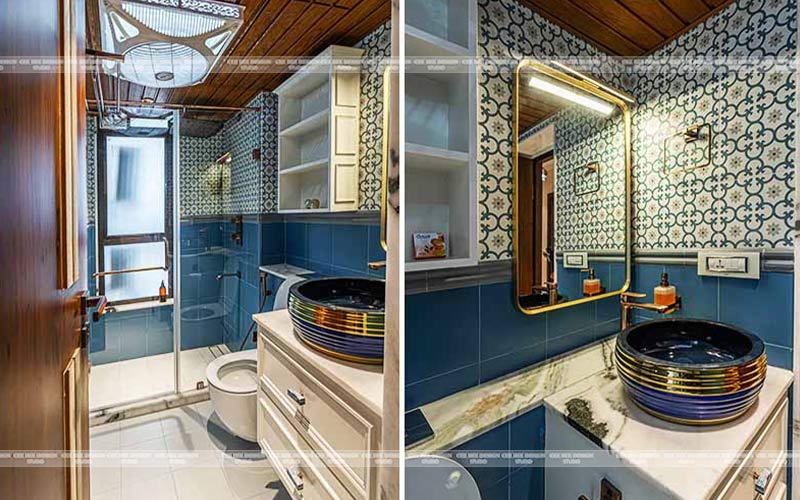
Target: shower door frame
176	248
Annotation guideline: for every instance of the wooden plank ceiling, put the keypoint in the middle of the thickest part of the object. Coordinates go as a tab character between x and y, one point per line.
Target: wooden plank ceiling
535	106
627	27
271	28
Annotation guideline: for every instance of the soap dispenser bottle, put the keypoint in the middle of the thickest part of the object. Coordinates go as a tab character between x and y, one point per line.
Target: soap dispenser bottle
664	293
591	285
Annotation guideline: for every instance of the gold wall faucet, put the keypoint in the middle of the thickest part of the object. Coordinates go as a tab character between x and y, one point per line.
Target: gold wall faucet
629	305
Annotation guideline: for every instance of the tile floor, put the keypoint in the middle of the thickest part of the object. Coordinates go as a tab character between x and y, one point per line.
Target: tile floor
112	384
180	454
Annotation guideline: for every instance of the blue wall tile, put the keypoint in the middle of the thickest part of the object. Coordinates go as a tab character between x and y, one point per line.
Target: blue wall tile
495	440
762	306
296	239
349	247
504	478
504	329
435	342
439	386
516	360
440	326
272	241
319	243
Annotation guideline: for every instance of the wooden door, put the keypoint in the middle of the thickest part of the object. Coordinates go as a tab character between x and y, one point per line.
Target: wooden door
43	367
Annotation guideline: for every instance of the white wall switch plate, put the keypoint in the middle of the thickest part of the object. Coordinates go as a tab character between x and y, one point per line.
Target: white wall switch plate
576	260
729	264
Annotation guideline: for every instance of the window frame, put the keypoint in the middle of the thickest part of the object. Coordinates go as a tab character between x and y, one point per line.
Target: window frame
104	240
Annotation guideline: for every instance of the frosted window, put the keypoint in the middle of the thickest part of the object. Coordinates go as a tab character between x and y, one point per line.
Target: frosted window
133	285
134	185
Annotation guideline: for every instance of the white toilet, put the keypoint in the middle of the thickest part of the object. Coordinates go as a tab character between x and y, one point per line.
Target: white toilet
233	381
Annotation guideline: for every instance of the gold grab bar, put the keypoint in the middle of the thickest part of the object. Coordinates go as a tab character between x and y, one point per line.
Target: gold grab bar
165	267
387	96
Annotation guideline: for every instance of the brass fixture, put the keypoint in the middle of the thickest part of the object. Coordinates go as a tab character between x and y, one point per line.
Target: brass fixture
380	264
690	134
165	267
225	159
387	96
629	305
237	274
551	288
238	223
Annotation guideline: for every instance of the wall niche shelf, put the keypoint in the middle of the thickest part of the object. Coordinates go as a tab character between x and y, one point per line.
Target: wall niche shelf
441	131
318	119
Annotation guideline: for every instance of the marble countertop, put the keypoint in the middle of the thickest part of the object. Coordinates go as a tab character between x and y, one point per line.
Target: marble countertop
467	414
360	381
621	427
283	271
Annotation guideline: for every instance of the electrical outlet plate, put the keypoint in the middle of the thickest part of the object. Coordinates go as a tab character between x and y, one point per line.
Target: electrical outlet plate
729	264
608	491
576	260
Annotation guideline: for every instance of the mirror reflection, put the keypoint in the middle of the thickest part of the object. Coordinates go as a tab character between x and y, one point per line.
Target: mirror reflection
570	193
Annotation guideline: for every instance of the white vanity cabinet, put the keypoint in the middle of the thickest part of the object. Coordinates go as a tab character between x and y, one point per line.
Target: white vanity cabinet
645	457
319	109
319	419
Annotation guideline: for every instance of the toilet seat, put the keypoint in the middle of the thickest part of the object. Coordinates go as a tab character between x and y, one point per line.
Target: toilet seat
234	373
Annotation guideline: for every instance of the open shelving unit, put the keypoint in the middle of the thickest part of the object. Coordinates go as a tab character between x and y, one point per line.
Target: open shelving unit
441	131
318	123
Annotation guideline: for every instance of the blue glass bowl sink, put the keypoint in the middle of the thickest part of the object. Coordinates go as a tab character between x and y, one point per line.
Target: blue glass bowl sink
690	371
341	317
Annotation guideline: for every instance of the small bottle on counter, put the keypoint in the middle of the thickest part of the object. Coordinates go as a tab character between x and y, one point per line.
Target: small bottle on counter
591	285
162	292
664	293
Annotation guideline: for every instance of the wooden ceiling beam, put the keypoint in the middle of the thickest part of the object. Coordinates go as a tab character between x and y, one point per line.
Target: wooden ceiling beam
688	10
657	15
618	18
263	15
336	34
586	27
297	15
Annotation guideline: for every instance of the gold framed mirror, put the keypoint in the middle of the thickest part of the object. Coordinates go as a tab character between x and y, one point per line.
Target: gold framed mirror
572	188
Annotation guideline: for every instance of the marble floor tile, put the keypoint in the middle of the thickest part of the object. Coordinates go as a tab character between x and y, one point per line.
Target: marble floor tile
178	454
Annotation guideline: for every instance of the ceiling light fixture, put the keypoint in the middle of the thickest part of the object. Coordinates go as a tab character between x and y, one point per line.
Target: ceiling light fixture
572	96
167	43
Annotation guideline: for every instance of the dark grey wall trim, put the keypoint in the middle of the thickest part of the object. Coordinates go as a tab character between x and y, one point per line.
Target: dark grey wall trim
458	277
368	217
772	260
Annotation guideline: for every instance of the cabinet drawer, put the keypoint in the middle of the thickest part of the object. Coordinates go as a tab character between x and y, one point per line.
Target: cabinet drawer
328	423
767	452
303	474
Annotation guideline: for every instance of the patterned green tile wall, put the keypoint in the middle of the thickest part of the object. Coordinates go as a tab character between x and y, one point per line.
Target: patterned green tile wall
377	48
745	198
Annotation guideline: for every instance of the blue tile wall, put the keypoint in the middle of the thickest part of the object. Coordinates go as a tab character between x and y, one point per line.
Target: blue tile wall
241	297
334	249
739	302
516	467
459	338
131	334
202	259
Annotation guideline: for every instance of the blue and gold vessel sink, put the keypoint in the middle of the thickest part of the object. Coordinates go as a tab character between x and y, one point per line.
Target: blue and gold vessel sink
692	372
341	317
